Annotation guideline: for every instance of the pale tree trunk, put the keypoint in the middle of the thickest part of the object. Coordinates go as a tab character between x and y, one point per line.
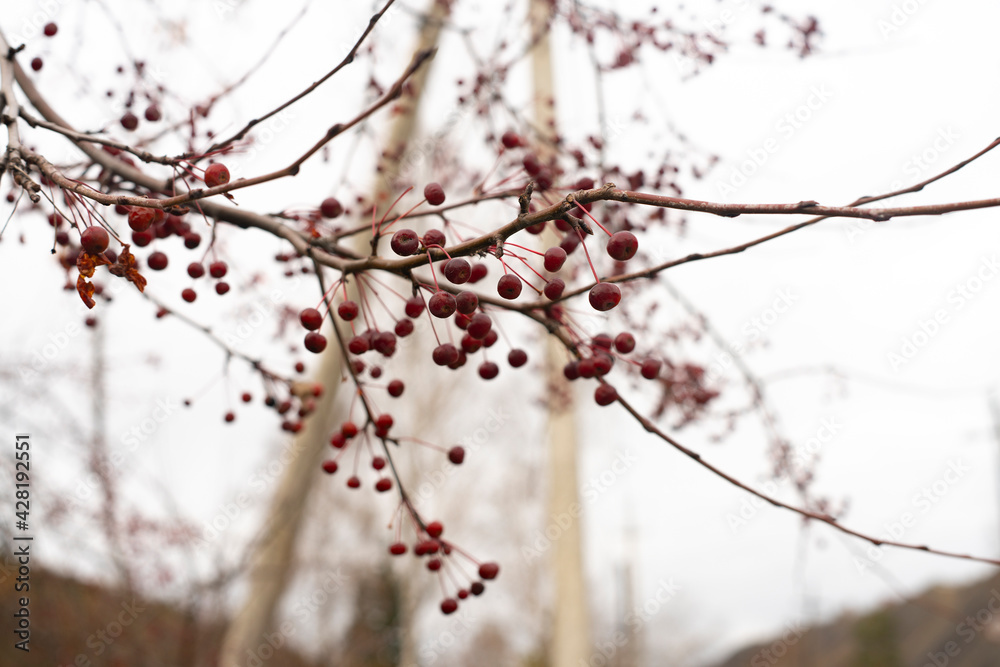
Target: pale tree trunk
273	563
570	641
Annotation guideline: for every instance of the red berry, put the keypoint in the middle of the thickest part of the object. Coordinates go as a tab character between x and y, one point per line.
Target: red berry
517	358
246	397
140	218
624	342
217	269
457	270
467	302
152	113
315	342
354	482
435	528
338	441
330	467
445	354
489	570
383	422
36	63
157	261
462	594
310	318
554	288
358	345
488	370
434	237
509	286
442	304
490	339
414	307
554	259
479	326
94	240
397	549
384	343
383	485
50	29
216	174
479	272
470	345
434	194
404	328
129	121
449	606
331	208
299	368
142	239
189	295
511	139
456	455
347	310
605	296
650	369
192	240
230	417
221	287
395	388
405	242
349	430
623	246
602	340
605	394
477	588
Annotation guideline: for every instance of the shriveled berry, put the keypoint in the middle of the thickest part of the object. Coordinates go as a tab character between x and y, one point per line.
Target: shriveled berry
517	358
456	455
554	288
623	246
94	240
624	342
509	286
315	342
434	237
554	259
347	310
605	394
605	296
457	270
216	174
331	208
434	194
405	242
489	570
157	261
442	304
140	218
309	317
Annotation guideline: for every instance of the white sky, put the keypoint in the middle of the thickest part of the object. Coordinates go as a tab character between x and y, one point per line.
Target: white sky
856	293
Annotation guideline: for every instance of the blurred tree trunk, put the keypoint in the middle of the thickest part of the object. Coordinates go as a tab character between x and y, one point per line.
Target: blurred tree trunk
570	643
272	563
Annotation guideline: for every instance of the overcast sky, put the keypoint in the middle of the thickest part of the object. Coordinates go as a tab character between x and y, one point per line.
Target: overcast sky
906	309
